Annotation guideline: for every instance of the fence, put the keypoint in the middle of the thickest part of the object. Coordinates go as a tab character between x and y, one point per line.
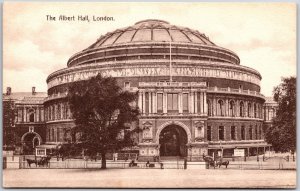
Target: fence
88	164
272	162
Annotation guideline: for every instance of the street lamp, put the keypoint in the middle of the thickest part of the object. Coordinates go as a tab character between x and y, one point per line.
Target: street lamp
221	148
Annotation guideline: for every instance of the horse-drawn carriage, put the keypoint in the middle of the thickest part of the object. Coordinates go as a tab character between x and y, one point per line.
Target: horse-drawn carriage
43	161
214	163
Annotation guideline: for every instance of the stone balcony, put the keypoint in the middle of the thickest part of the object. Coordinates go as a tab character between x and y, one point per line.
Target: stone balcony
234	91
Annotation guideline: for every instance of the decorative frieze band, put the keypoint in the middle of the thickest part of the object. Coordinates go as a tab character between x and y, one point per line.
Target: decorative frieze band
156	71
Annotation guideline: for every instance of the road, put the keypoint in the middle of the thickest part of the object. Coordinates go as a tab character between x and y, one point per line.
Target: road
149	178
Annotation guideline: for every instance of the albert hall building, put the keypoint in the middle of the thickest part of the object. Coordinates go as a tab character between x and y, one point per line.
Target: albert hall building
194	96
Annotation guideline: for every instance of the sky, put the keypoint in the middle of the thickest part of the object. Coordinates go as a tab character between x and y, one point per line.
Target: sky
263	35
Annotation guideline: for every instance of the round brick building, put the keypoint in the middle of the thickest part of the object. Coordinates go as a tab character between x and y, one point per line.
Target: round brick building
194	96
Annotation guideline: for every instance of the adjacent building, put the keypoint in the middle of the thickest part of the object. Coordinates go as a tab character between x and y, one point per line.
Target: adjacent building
23	120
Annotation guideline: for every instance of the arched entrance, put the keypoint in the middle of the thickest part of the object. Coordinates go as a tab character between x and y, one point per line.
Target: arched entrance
173	140
29	141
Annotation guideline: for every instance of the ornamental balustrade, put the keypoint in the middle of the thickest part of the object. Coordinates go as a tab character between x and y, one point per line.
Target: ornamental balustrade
231	90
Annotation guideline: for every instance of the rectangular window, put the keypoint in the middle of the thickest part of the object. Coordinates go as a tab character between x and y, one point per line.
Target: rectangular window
232	133
57	135
40	114
175	102
185	103
147	103
49	135
243	133
20	115
172	102
159	103
221	133
260	132
126	85
250	133
209	133
52	135
256	132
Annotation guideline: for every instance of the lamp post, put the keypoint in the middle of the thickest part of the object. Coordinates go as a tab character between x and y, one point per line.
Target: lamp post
221	148
190	148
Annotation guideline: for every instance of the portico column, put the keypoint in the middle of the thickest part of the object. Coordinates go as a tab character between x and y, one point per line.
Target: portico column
245	108
201	103
24	114
204	103
144	103
237	108
226	107
214	106
42	114
37	119
191	102
140	101
62	110
154	102
150	102
180	102
165	104
27	117
195	102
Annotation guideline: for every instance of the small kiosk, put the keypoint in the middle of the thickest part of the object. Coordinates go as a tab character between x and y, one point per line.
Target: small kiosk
45	150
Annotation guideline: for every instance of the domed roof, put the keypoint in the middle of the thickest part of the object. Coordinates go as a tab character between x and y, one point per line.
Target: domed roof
152	30
149	39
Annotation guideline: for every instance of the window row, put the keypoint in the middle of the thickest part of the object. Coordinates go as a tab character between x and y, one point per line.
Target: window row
57	112
31	115
233	108
235	133
58	135
269	113
150	102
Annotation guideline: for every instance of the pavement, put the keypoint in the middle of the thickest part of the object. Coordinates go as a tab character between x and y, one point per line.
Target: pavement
148	178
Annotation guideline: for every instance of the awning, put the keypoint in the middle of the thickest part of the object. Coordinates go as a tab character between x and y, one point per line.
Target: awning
239	146
46	146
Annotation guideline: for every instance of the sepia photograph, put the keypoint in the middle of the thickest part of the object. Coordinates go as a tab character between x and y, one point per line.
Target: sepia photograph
149	95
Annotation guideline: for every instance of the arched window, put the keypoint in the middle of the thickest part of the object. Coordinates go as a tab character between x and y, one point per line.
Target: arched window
250	133
249	110
53	113
256	137
220	108
66	111
63	111
255	111
271	114
49	114
231	108
259	132
209	109
259	111
53	135
31	115
241	109
58	111
243	133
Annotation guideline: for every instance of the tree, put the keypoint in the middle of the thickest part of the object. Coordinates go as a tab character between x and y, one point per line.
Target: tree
282	133
103	114
10	137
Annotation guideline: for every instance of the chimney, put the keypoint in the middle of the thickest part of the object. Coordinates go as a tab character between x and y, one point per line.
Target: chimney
8	90
33	90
